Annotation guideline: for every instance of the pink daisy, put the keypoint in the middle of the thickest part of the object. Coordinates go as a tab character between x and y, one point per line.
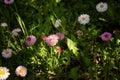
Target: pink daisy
44	37
106	36
79	33
21	71
16	31
60	35
58	49
8	1
52	40
30	40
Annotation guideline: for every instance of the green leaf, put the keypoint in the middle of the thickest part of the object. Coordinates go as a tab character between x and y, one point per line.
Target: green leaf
57	1
74	73
52	19
102	19
72	46
22	24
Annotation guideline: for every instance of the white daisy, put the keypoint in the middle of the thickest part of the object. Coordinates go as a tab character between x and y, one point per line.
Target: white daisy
15	31
57	23
4	24
84	19
21	71
7	53
4	73
101	7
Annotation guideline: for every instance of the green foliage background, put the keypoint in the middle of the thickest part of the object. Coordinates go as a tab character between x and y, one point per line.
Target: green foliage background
78	59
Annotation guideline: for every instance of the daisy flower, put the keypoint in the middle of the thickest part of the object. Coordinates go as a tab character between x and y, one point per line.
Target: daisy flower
30	40
4	73
60	35
58	49
7	53
101	7
106	36
79	33
16	31
4	24
44	37
8	1
52	40
84	19
57	23
21	71
98	60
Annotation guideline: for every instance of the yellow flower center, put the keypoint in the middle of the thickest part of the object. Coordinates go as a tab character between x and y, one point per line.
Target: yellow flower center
101	6
80	33
2	72
16	30
21	70
83	18
7	52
